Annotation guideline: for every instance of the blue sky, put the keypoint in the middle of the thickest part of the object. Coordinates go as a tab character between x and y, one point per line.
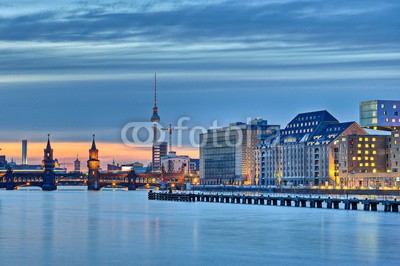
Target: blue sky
73	68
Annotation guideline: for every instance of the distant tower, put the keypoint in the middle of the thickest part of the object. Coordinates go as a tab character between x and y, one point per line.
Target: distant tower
155	118
24	151
77	164
158	149
48	164
93	164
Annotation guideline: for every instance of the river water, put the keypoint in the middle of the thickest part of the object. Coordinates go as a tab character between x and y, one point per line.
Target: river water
123	227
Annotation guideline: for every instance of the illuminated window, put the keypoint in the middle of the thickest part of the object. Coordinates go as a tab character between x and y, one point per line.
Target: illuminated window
366	139
374	152
366	145
361	164
354	158
372	145
374	120
372	164
387	119
394	106
360	139
366	158
372	158
366	164
382	105
373	139
374	171
359	158
359	152
366	152
393	120
359	145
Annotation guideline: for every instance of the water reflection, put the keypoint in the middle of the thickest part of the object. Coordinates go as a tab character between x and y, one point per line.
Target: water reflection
119	228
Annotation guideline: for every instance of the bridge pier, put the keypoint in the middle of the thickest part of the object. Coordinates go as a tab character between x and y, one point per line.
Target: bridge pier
395	207
336	204
329	204
216	198
387	207
288	202
297	203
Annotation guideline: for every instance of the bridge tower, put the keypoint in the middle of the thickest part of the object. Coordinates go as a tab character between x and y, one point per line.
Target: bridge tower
48	164
93	164
9	178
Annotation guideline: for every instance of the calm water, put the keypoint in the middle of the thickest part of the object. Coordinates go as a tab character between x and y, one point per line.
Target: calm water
123	227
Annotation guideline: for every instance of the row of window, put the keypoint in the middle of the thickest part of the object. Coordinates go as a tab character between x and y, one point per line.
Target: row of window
303	124
395	113
308	130
393	120
365	158
394	106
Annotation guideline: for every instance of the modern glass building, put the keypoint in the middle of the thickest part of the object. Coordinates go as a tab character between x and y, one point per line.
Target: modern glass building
227	154
380	115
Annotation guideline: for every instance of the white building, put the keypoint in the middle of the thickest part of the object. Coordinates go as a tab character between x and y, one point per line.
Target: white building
173	163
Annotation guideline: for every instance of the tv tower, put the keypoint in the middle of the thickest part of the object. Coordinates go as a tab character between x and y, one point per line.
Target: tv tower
159	149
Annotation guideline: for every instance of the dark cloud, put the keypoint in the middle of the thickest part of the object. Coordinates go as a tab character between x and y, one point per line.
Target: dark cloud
78	68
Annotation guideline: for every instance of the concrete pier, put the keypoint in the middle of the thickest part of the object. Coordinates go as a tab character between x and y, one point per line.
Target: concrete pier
284	201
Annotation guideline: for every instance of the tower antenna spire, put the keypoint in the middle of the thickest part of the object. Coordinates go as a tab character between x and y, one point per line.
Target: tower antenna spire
155	89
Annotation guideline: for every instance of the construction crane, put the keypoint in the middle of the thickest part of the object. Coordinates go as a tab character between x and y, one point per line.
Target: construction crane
64	163
169	129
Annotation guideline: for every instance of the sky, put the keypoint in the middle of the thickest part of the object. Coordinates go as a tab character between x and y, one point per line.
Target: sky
74	68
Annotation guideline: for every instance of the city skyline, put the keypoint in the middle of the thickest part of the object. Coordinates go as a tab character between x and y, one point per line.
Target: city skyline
94	72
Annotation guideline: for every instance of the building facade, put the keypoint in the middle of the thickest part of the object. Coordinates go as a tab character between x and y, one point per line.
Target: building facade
24	152
159	150
173	163
363	154
226	154
304	153
380	115
395	152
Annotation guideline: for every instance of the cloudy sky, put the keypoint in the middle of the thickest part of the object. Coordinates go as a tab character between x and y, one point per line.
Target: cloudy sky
74	68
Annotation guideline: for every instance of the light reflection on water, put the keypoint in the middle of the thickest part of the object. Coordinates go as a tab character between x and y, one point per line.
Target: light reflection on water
123	227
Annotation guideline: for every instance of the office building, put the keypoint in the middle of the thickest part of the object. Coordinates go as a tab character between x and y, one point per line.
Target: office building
195	167
159	150
380	115
24	151
226	154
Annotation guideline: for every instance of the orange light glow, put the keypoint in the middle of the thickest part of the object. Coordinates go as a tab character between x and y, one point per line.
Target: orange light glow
66	152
